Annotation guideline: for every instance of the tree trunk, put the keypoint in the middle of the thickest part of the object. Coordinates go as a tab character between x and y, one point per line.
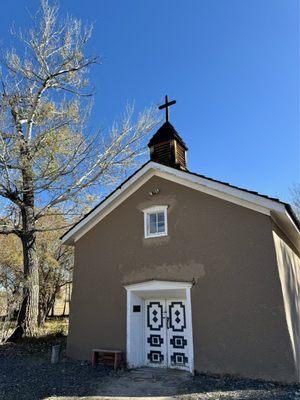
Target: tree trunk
45	309
27	322
65	301
31	288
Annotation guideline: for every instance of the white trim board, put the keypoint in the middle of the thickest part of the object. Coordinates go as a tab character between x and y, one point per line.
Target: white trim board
249	200
158	285
105	208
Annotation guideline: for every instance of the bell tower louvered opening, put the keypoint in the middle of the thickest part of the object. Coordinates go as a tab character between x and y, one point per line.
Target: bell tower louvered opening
167	147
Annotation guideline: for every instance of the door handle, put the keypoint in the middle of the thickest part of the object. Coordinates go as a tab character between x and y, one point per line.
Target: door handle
168	322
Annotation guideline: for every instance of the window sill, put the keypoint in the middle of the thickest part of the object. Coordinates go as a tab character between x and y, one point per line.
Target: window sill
158	235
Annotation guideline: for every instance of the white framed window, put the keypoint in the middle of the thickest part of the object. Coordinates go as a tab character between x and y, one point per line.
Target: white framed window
155	221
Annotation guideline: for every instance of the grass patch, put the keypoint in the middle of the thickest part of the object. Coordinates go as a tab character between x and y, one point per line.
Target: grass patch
54	332
55	326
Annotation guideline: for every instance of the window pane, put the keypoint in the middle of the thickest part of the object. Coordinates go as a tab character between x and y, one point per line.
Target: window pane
152	218
160	217
160	222
152	223
161	226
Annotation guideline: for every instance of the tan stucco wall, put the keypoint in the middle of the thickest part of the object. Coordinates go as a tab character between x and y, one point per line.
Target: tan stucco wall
289	272
239	325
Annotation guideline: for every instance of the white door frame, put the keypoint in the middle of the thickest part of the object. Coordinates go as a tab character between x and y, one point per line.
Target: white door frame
136	293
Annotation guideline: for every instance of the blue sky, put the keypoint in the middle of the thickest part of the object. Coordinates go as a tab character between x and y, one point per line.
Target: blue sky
232	66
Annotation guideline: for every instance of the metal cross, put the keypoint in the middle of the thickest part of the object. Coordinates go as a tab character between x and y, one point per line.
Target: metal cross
166	106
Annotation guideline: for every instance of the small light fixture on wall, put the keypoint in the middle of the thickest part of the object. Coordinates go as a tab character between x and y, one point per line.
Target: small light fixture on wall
154	192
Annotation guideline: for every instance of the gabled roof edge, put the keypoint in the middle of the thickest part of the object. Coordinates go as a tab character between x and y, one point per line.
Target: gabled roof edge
292	214
161	167
102	201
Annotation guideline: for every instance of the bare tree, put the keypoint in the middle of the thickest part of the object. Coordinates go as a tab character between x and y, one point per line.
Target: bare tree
47	157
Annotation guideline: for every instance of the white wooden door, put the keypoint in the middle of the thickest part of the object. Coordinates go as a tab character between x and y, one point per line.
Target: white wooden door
155	333
166	334
177	335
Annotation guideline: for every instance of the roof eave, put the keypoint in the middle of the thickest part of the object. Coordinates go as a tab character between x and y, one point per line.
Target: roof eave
255	201
75	232
286	223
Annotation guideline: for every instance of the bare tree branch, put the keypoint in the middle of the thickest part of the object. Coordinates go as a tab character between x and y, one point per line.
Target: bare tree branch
49	161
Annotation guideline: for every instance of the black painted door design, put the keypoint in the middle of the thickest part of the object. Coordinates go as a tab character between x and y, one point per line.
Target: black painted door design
166	333
155	333
177	351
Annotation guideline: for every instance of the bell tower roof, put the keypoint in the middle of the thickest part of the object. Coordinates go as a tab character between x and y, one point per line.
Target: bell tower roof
166	145
165	133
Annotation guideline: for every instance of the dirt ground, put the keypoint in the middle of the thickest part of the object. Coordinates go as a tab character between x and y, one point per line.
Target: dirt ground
26	373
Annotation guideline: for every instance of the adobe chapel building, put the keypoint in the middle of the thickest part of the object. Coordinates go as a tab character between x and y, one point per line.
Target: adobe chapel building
182	271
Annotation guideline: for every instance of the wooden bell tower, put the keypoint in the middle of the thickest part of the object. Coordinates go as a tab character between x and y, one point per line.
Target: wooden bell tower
166	146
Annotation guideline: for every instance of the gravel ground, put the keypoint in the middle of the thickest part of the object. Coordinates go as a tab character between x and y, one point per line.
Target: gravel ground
26	373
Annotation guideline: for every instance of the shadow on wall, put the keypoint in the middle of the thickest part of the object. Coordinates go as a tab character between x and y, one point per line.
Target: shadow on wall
289	273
